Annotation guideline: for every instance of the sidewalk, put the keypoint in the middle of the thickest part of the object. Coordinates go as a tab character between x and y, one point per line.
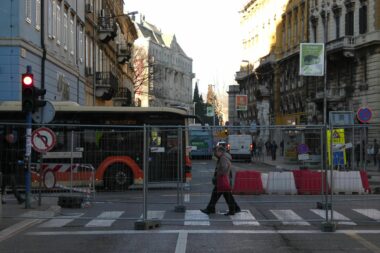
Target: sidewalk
15	217
280	163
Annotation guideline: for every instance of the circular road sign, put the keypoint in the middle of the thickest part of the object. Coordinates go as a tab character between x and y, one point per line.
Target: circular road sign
43	139
364	114
302	149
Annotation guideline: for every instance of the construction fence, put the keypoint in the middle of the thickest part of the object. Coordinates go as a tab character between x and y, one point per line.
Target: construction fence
322	172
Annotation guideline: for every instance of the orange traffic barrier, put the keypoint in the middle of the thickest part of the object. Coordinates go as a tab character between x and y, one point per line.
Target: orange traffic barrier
248	182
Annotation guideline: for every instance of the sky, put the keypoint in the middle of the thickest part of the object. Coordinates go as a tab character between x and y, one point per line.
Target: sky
208	32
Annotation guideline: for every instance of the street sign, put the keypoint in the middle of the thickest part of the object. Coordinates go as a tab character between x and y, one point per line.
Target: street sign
43	139
45	114
341	118
210	111
364	114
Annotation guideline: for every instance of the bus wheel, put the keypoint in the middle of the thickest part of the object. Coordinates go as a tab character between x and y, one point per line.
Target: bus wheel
118	177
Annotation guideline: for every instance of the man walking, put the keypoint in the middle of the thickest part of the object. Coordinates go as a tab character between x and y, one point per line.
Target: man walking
375	152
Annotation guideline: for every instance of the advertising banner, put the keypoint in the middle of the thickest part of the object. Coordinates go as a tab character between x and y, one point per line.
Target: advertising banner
241	102
312	59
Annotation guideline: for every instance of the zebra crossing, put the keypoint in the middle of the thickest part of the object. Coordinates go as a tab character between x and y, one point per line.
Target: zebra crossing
197	218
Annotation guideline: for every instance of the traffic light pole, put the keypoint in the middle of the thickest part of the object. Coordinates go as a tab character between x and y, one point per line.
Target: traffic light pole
27	160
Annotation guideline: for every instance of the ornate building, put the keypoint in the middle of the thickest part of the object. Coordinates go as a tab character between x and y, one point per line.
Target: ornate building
163	70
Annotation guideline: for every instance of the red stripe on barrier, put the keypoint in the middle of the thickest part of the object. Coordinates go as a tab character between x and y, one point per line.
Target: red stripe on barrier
308	182
364	177
248	182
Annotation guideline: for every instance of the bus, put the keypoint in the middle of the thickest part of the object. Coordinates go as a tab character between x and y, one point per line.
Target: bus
108	142
201	141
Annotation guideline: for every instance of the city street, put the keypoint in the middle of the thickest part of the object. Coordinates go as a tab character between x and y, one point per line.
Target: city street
267	223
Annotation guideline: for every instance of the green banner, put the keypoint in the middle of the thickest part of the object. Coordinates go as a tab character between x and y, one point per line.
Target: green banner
312	59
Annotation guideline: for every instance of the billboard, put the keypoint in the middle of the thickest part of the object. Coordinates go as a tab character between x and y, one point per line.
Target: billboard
312	59
241	102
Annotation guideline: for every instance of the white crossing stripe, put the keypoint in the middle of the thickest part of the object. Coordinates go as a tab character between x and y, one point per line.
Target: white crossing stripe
288	217
196	217
60	221
371	213
105	219
343	220
245	217
158	215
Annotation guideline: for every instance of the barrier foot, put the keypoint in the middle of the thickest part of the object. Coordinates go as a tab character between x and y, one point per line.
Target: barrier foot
323	206
147	224
328	227
70	201
179	209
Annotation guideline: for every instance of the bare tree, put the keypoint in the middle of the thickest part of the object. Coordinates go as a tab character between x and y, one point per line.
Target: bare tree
146	71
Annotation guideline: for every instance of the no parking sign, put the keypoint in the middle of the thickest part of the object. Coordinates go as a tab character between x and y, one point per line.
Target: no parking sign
43	139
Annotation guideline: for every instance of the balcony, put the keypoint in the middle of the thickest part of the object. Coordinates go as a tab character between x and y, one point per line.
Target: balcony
333	94
241	75
345	44
106	85
107	29
122	97
124	53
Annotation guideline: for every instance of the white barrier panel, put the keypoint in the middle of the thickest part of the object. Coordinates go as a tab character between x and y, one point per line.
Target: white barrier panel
347	182
281	183
264	180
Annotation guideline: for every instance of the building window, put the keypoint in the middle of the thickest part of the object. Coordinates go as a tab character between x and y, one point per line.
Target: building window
350	23
65	30
38	14
72	36
363	19
58	23
81	46
337	26
28	11
50	19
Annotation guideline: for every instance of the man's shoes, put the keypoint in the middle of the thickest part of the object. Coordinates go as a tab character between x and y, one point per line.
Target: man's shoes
207	211
229	213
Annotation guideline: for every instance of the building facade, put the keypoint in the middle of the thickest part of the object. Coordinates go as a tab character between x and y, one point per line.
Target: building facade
52	36
109	38
163	71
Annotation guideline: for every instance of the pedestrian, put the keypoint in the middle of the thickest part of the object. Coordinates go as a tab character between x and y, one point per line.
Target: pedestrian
357	154
274	150
375	151
268	147
223	167
9	164
282	147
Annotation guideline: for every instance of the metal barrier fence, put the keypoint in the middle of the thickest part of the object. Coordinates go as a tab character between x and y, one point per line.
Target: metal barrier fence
282	175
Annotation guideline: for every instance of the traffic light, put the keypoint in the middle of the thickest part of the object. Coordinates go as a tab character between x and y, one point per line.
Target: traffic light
36	98
31	94
27	82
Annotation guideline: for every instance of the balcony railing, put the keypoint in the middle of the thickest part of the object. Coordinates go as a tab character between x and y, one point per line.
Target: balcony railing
124	53
123	97
347	42
107	28
106	85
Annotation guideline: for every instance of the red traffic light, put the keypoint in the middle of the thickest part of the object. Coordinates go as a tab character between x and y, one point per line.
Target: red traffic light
27	80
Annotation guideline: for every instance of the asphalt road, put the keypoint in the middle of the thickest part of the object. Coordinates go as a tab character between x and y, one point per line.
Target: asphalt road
268	223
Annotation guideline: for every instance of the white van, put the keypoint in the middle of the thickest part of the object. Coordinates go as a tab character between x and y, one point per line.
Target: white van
240	146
